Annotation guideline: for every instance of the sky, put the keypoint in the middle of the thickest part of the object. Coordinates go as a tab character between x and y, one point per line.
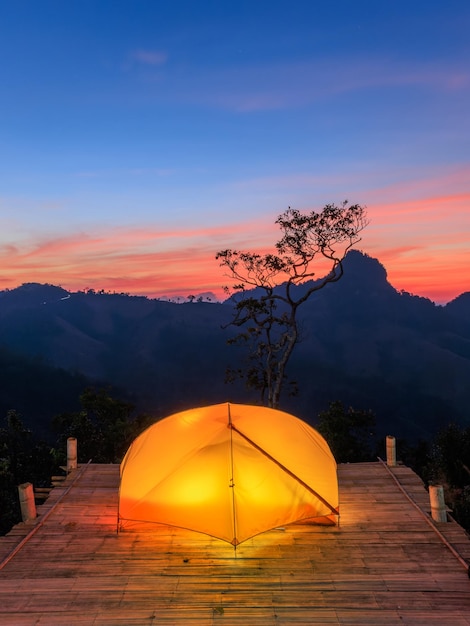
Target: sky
138	138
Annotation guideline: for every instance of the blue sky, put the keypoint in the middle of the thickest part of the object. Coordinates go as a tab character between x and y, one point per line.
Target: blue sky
138	138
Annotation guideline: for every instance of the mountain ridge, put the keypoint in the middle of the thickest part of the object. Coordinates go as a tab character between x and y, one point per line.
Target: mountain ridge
363	342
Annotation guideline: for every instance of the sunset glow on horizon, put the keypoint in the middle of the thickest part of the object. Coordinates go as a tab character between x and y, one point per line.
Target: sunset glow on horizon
176	263
131	156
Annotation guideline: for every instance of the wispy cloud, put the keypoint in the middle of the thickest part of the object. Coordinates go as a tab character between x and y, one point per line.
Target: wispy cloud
149	57
107	173
263	87
150	261
424	243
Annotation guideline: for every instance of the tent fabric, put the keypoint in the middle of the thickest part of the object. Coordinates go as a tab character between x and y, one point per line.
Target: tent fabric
228	470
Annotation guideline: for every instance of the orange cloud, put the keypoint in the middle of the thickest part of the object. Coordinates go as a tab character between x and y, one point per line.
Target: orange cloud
423	243
149	261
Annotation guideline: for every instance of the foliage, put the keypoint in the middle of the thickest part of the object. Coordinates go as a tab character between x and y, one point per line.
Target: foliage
414	454
461	507
104	427
23	458
445	460
265	289
349	432
449	464
450	456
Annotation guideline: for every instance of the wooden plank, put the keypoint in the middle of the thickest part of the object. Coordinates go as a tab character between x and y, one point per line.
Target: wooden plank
383	565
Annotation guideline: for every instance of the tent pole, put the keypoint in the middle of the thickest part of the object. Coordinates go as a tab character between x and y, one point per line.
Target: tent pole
232	484
285	469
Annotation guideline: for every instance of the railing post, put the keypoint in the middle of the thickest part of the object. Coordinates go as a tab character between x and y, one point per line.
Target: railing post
391	451
27	503
438	505
71	454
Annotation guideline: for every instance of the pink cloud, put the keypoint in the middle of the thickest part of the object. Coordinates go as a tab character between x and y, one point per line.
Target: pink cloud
414	218
150	261
423	243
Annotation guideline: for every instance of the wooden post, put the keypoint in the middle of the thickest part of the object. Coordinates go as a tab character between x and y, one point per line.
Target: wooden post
391	451
71	454
438	505
27	503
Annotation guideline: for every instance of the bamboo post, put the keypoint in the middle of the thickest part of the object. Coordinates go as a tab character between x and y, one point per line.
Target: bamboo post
438	505
391	451
71	454
27	503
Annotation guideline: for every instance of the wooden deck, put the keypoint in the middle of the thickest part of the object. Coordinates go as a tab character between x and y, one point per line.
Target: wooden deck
383	565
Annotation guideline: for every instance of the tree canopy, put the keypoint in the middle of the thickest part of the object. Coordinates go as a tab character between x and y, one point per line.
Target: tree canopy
265	288
349	432
105	427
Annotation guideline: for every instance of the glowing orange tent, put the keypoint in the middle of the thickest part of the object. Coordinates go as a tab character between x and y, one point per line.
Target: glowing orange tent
231	471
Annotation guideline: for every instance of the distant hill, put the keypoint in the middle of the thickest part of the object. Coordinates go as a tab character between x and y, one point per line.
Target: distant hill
36	390
363	342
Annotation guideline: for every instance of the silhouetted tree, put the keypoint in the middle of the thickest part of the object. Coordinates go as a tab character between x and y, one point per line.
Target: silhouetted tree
23	458
104	427
266	301
349	432
450	456
448	464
